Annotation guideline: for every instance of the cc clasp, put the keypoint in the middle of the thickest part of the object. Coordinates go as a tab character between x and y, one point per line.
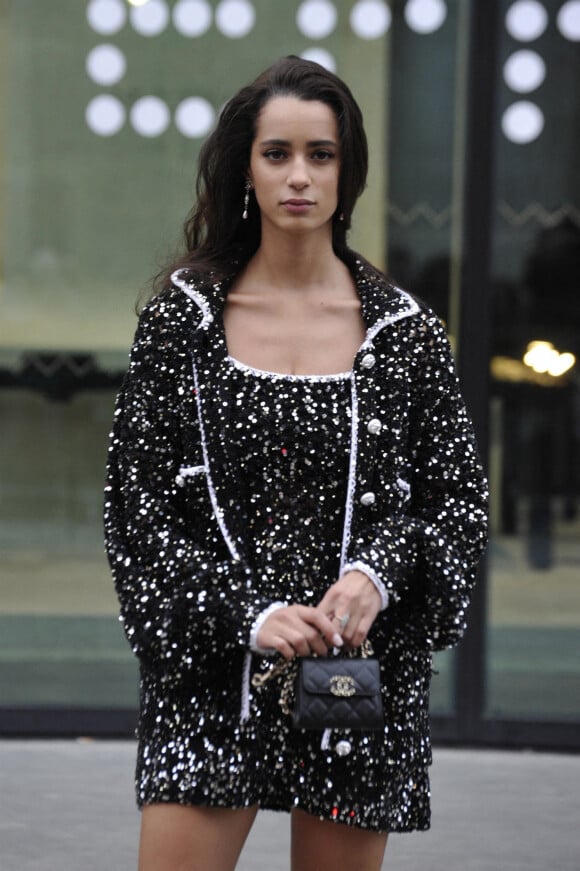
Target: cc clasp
342	685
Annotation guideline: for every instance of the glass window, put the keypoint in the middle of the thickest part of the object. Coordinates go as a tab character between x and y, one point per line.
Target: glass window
534	598
104	109
60	639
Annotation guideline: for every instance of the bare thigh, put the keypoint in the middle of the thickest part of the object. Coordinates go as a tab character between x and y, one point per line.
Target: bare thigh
320	845
179	838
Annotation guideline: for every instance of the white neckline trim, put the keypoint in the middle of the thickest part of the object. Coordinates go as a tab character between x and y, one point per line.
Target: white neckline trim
199	299
264	373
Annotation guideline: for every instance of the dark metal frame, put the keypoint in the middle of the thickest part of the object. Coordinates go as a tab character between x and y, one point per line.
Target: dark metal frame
43	722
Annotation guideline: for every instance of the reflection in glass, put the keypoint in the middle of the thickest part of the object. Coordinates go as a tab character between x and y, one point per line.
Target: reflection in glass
534	666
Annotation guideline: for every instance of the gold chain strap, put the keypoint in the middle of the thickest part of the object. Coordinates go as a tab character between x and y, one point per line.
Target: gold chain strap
289	667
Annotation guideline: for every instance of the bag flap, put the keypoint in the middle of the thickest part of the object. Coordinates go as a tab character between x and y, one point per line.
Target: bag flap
341	677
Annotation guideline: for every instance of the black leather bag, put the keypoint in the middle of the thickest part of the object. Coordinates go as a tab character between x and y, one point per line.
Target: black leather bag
338	692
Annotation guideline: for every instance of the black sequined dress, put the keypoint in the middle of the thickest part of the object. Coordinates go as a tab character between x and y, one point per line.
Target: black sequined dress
289	439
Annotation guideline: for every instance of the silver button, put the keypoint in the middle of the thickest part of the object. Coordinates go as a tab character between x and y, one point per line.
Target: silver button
374	426
367	498
343	748
368	361
179	480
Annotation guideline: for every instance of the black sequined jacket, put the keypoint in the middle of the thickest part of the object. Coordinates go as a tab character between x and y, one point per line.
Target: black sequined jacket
416	502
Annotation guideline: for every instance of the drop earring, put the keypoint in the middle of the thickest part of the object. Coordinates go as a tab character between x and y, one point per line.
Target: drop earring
246	200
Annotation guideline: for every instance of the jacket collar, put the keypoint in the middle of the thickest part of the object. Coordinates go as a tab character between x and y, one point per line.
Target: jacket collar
382	301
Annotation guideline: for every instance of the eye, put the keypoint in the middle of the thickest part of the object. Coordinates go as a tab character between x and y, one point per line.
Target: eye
274	154
322	155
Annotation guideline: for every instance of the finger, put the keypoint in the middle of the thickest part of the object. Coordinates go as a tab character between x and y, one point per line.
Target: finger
296	626
325	626
359	633
299	642
339	595
328	602
317	642
342	621
283	648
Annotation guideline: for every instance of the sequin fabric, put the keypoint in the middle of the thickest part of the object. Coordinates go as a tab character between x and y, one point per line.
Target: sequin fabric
196	561
289	438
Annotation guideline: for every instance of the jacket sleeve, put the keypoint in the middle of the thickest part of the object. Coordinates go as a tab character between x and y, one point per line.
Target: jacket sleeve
169	582
426	554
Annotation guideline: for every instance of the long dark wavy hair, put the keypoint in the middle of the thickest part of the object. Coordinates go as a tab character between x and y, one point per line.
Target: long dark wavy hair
217	240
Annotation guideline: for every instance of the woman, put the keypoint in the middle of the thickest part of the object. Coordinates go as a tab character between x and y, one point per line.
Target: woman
291	470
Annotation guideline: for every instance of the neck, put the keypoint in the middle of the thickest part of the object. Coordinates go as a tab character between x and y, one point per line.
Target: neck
296	261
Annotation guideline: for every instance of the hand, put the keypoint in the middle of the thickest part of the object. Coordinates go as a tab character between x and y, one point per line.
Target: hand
356	595
298	630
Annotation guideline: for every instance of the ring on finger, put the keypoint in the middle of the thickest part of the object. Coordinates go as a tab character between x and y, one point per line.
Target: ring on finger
342	621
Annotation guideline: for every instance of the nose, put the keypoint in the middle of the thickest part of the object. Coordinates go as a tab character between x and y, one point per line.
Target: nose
298	175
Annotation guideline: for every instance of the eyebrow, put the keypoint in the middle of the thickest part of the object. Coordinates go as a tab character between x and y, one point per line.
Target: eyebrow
314	143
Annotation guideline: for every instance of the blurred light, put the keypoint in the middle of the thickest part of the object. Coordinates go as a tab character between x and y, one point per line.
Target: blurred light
151	18
522	122
138	2
150	116
106	16
524	71
105	115
425	16
320	56
316	18
543	357
106	64
192	17
370	19
235	18
563	364
569	20
526	20
194	117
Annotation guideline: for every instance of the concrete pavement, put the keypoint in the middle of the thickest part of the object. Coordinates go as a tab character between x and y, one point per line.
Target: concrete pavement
68	806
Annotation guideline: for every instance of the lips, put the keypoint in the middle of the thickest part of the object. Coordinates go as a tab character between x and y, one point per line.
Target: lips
297	206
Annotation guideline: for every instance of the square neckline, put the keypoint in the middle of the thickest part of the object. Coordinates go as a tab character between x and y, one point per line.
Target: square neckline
266	373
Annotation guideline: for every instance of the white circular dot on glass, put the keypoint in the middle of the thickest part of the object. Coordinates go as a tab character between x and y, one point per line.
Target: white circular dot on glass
150	19
194	117
106	64
316	18
106	16
370	19
526	20
522	122
235	18
568	20
524	71
150	116
320	56
425	16
105	115
192	17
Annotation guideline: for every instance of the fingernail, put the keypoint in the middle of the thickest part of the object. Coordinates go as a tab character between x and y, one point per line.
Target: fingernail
337	640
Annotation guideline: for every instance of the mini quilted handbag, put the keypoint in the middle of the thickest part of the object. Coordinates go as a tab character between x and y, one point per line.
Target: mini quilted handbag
330	691
338	692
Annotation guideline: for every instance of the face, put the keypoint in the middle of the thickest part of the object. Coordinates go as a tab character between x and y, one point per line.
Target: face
295	164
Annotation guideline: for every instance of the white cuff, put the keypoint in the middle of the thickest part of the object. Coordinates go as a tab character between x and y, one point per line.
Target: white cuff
257	625
373	578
